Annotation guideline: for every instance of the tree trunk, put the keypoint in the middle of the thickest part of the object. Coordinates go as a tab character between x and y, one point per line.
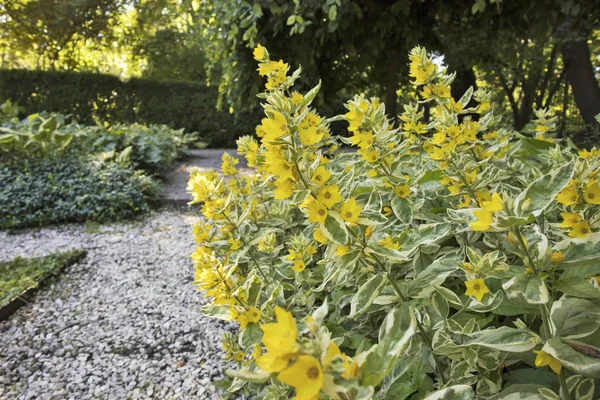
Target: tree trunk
580	74
391	97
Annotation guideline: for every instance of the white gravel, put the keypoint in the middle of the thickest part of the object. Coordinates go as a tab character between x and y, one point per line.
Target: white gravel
123	324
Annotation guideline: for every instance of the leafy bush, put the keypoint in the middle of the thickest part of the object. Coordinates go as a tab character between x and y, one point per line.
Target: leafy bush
105	98
446	259
153	147
22	274
47	191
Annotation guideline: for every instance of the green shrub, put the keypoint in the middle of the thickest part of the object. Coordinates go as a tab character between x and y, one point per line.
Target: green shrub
22	274
152	148
71	189
105	98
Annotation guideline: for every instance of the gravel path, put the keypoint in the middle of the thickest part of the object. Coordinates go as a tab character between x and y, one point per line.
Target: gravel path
123	324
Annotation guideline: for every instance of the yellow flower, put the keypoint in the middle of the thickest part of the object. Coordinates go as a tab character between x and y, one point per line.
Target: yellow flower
476	288
253	314
342	250
494	204
319	236
310	136
274	127
369	156
329	195
557	257
299	265
239	356
540	128
317	212
284	189
466	201
297	98
242	319
349	366
321	175
256	351
484	220
305	375
580	230
280	340
570	219
389	243
402	191
591	193
259	52
350	211
542	359
439	138
281	169
568	196
229	163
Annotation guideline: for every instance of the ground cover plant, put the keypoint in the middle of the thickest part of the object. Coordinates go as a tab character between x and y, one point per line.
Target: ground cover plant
71	189
22	274
448	258
153	148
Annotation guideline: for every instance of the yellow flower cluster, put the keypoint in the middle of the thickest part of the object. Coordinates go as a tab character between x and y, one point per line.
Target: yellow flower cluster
296	364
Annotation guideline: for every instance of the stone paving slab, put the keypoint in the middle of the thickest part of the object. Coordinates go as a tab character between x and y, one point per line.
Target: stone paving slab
175	181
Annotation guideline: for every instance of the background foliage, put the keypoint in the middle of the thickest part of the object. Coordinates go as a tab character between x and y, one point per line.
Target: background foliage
91	98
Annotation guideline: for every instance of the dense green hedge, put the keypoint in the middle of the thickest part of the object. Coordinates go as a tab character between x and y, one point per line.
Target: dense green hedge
45	191
105	98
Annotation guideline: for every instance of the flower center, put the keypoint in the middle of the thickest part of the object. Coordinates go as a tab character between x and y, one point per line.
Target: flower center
321	212
573	198
476	286
584	230
348	214
327	195
312	373
591	195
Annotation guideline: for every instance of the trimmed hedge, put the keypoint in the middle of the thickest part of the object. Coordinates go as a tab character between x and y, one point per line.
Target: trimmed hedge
105	98
46	191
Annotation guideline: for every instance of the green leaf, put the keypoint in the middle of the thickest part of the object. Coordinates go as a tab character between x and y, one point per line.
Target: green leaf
503	339
572	357
334	228
509	222
434	275
394	335
456	392
256	376
250	335
582	257
309	97
577	287
366	294
575	318
542	192
371	218
466	98
375	202
520	392
528	288
402	209
431	175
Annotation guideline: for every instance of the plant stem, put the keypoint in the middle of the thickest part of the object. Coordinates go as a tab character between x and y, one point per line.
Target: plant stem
546	323
562	378
420	327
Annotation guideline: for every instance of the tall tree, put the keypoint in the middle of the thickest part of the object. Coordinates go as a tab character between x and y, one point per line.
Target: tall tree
50	29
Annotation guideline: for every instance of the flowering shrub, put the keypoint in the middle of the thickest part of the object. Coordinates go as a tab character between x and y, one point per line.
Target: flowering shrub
445	259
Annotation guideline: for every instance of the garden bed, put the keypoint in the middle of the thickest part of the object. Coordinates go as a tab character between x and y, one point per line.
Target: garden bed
21	277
